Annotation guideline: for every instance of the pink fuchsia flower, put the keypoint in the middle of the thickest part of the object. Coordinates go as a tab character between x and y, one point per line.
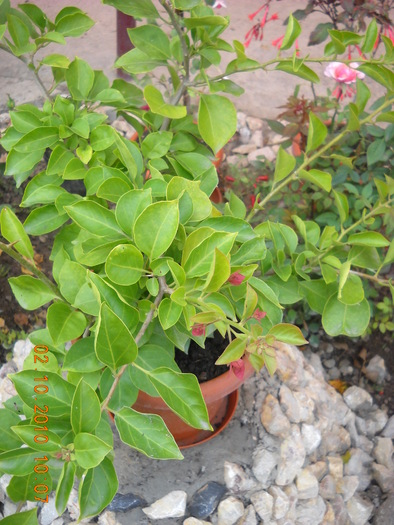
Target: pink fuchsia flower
343	73
236	278
262	178
198	329
238	368
278	42
218	4
259	314
252	15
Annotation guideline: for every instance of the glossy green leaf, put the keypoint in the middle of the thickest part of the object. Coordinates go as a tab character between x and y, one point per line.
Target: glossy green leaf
114	344
44	220
18	462
293	30
156	227
285	164
234	351
181	392
38	139
217	120
21	488
94	218
219	272
64	323
130	206
169	313
138	8
80	79
18	162
74	24
147	433
124	265
372	239
28	517
136	62
157	104
342	319
125	393
102	138
199	261
352	291
317	293
81	357
317	133
151	40
156	144
85	409
9	440
89	450
288	333
13	231
322	179
342	205
29	433
31	293
302	71
97	489
64	486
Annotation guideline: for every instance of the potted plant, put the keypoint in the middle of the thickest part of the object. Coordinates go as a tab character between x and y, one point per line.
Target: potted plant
143	265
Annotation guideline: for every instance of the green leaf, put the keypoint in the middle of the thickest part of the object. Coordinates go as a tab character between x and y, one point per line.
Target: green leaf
90	450
288	333
56	60
219	272
97	489
80	79
124	265
64	486
130	206
74	24
157	104
198	262
28	517
169	313
379	73
44	220
13	231
8	440
317	133
147	433
317	292
217	120
31	293
352	291
28	433
363	95
185	5
21	488
114	344
151	40
373	239
138	8
284	165
193	22
85	409
375	151
102	138
156	144
293	30
94	218
21	163
18	462
156	227
38	139
350	320
318	177
82	357
58	160
181	392
64	323
136	62
125	393
234	351
342	205
302	71
364	257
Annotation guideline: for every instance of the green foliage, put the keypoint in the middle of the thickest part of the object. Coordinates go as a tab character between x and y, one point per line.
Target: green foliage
145	262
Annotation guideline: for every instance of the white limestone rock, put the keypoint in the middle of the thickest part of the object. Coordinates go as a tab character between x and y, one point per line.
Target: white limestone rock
311	438
310	511
236	479
289	404
327	487
357	398
292	457
307	484
263	503
281	502
249	517
347	486
388	430
254	123
230	510
273	419
359	510
383	476
48	512
264	463
195	521
265	153
383	451
376	370
244	149
172	505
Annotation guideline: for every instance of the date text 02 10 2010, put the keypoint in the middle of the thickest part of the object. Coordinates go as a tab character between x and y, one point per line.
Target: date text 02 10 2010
41	418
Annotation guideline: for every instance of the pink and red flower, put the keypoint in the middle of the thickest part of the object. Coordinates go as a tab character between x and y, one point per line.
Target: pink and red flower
343	73
198	329
238	368
236	278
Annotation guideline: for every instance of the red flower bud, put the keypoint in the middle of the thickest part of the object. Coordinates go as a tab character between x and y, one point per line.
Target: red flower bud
236	278
198	329
238	368
259	314
229	179
261	178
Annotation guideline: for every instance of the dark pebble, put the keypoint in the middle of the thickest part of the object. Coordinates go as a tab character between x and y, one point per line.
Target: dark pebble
125	502
206	499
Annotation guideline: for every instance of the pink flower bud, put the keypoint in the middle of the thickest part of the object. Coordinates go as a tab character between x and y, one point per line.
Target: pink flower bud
236	278
238	368
198	329
259	314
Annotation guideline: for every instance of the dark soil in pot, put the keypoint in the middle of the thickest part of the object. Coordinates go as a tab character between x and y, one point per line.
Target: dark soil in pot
201	361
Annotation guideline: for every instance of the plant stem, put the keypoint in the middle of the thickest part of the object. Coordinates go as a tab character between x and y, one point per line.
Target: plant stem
162	290
174	19
29	266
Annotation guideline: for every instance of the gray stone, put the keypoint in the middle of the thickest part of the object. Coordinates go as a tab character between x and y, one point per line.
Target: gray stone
329	363
206	499
107	518
383	451
249	517
263	503
281	502
254	123
359	465
329	516
172	505
376	421
383	476
316	363
319	469
336	440
264	463
335	467
334	373
237	160
292	494
241	119
289	404
307	484
307	406
357	398
230	510
195	521
292	457
265	153
48	512
311	511
236	479
273	419
257	138
244	149
388	430
376	370
348	486
290	366
341	517
385	512
244	135
359	510
327	487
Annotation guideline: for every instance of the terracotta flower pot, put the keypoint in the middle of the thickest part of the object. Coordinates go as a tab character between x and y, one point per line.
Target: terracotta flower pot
221	397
